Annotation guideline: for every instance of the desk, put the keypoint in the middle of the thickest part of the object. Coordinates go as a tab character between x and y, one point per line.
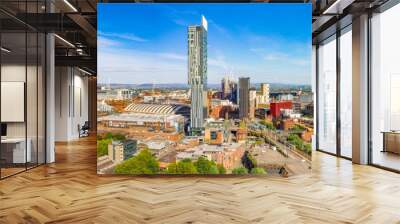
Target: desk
391	141
13	150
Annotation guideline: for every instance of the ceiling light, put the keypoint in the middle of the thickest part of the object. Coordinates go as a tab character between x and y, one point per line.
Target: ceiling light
5	50
70	5
64	40
84	71
337	7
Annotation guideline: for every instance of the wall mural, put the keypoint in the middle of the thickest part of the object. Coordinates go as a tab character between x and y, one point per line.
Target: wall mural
204	89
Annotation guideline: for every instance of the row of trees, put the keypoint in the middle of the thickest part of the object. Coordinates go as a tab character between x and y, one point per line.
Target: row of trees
243	170
146	163
298	128
267	124
249	165
201	166
299	143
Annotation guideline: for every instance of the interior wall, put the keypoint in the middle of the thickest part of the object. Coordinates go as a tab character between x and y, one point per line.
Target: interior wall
71	102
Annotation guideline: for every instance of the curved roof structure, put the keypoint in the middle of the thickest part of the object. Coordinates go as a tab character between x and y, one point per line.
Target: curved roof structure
158	108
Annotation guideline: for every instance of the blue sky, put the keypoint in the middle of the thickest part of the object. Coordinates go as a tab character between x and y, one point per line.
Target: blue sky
147	43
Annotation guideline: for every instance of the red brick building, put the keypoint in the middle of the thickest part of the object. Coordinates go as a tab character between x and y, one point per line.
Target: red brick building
214	136
275	107
221	111
287	124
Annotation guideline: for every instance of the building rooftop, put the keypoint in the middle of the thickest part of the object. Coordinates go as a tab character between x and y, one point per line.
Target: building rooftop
135	117
156	108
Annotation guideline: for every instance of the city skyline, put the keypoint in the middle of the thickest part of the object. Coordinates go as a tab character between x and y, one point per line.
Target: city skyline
276	49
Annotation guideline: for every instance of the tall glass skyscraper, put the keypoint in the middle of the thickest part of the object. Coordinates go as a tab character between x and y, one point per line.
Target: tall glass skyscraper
197	72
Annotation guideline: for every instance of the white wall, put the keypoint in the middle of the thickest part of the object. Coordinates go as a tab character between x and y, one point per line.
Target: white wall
71	103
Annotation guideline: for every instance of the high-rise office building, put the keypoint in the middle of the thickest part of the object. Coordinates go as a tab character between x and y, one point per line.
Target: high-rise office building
225	86
229	89
197	72
252	102
265	89
263	98
244	86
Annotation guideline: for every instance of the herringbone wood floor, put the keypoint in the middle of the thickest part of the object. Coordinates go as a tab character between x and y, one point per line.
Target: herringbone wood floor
69	191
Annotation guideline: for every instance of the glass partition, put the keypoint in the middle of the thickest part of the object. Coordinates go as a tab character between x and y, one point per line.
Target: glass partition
31	97
22	91
13	91
327	95
346	92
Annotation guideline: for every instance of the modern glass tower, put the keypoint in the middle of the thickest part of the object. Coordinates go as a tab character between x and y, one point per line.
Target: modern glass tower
244	104
197	73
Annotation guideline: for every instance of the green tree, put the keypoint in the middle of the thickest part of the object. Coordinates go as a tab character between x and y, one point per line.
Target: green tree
203	165
259	142
307	148
172	168
102	147
118	137
258	170
239	170
298	128
248	161
143	163
186	166
267	124
221	169
109	135
213	170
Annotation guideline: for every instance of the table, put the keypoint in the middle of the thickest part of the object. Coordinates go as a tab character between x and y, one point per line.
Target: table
13	150
391	141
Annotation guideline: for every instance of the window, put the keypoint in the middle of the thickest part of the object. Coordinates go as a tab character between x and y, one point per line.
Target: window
346	93
327	95
385	89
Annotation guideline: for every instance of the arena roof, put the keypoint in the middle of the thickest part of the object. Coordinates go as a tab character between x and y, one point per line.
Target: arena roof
157	108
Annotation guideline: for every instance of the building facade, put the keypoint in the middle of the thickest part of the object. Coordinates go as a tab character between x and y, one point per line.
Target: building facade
276	107
197	72
229	89
244	105
252	103
119	151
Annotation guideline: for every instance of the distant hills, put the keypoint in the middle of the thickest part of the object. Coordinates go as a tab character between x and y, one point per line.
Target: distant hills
273	86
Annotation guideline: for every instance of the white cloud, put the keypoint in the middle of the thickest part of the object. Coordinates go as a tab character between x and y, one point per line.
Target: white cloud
281	57
123	66
301	62
218	27
126	36
173	56
180	22
217	62
106	42
276	56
